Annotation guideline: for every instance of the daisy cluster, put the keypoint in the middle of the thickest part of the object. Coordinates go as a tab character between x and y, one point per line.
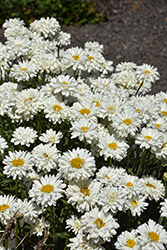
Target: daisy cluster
79	136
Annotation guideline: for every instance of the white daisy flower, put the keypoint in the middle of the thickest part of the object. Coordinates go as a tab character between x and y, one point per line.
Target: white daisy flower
126	122
47	27
24	136
28	103
63	38
45	157
107	67
18	164
131	184
38	227
84	129
47	190
50	136
136	204
161	97
80	242
112	199
147	73
98	225
77	164
152	236
95	61
28	212
150	138
162	152
163	109
46	62
102	85
112	147
64	84
83	194
7	203
84	109
23	71
73	224
110	175
153	188
94	46
127	240
158	123
126	78
163	208
3	144
82	90
18	47
55	110
76	58
110	106
125	66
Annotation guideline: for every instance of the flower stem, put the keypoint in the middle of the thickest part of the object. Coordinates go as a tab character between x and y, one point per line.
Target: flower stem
52	221
141	161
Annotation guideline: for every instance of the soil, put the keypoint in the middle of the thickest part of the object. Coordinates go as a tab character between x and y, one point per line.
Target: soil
135	31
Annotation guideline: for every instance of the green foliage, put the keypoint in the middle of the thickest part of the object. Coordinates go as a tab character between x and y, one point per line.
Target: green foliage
67	12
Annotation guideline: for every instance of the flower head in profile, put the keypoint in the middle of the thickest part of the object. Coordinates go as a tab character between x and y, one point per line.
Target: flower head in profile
50	136
78	164
3	144
47	190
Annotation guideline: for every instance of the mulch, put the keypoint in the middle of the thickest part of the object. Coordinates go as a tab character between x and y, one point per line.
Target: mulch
135	31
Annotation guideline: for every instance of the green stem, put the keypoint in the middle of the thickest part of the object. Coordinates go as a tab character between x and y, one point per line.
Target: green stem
16	187
110	161
43	77
85	142
141	161
52	220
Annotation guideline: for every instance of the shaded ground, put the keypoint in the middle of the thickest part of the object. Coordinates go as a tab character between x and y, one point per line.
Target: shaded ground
135	31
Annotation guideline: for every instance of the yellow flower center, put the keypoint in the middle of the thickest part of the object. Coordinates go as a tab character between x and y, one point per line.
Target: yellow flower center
28	99
165	100
113	146
134	203
164	145
17	162
90	58
47	189
77	163
158	125
3	207
127	121
84	191
76	58
149	185
153	236
57	108
107	177
147	72
111	197
65	83
137	110
45	155
129	184
24	69
97	103
99	223
110	108
147	138
164	113
84	111
130	243
19	44
84	129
